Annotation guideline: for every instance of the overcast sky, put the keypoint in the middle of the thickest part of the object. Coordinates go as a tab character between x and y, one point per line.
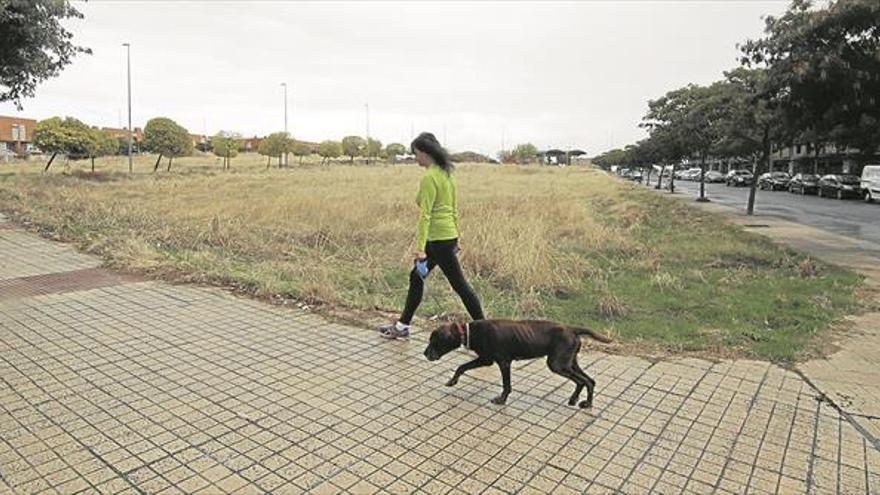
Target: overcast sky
557	74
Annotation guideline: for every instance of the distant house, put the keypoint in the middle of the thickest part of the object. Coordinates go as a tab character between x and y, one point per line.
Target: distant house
251	144
16	135
313	147
200	141
137	136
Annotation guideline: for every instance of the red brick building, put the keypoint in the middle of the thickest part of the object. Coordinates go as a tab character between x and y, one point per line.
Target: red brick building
251	144
16	134
199	140
137	137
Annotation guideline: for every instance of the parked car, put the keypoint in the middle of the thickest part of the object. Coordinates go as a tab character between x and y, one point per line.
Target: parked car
689	174
839	186
804	184
635	175
739	178
714	176
774	181
870	182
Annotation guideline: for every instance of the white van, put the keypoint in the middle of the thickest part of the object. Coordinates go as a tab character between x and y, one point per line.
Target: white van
870	182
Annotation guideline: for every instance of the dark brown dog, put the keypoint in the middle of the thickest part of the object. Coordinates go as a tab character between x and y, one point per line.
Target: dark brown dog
502	341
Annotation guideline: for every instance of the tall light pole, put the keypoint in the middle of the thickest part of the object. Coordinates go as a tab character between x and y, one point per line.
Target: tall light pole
502	144
284	85
128	65
367	107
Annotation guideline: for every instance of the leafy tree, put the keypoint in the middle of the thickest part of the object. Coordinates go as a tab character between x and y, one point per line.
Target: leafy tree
353	146
68	136
393	150
644	154
668	149
301	150
226	144
525	153
166	138
692	120
33	45
265	149
108	144
615	156
329	149
753	120
49	137
100	143
274	145
822	68
122	145
374	148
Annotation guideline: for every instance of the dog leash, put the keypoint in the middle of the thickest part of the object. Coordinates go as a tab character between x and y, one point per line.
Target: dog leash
467	336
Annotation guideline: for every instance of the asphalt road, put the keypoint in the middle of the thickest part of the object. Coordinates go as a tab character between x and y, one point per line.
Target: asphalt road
852	218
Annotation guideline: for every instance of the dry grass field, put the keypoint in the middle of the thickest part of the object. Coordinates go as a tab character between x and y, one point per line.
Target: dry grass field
570	244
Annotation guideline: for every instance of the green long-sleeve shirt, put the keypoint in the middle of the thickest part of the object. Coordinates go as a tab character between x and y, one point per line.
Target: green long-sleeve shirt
438	217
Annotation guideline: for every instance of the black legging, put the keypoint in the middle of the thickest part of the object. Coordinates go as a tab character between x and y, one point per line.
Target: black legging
442	254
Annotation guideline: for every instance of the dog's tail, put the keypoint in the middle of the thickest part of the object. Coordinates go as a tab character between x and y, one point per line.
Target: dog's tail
591	334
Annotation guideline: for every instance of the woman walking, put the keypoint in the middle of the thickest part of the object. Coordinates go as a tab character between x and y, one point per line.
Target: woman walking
436	235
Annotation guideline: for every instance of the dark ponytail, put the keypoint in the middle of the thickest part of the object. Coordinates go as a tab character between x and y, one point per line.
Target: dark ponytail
427	143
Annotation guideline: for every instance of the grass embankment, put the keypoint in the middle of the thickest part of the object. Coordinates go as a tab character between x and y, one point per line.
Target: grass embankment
568	244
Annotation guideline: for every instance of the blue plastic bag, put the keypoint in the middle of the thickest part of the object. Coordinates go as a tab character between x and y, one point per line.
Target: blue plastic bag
422	268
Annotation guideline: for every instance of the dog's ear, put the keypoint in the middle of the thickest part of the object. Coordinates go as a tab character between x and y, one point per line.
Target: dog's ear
443	330
448	328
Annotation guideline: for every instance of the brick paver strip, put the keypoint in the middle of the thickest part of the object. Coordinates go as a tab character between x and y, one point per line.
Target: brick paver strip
53	283
143	387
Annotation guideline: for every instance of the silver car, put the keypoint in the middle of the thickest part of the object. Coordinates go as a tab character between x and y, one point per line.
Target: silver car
870	182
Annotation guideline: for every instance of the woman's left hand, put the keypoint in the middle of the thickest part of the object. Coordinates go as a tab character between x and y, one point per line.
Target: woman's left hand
420	255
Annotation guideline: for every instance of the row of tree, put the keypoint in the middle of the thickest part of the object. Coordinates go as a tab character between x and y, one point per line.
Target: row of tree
73	138
813	78
278	144
168	139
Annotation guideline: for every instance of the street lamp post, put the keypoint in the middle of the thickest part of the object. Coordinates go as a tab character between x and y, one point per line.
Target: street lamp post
128	65
501	157
284	85
367	107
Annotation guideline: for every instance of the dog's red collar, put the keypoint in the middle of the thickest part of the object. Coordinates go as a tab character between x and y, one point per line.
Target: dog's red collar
464	333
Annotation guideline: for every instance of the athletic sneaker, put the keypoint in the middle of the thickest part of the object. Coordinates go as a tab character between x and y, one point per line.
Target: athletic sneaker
395	330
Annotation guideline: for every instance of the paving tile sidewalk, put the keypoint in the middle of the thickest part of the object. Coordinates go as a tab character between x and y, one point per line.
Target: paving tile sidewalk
850	377
128	386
